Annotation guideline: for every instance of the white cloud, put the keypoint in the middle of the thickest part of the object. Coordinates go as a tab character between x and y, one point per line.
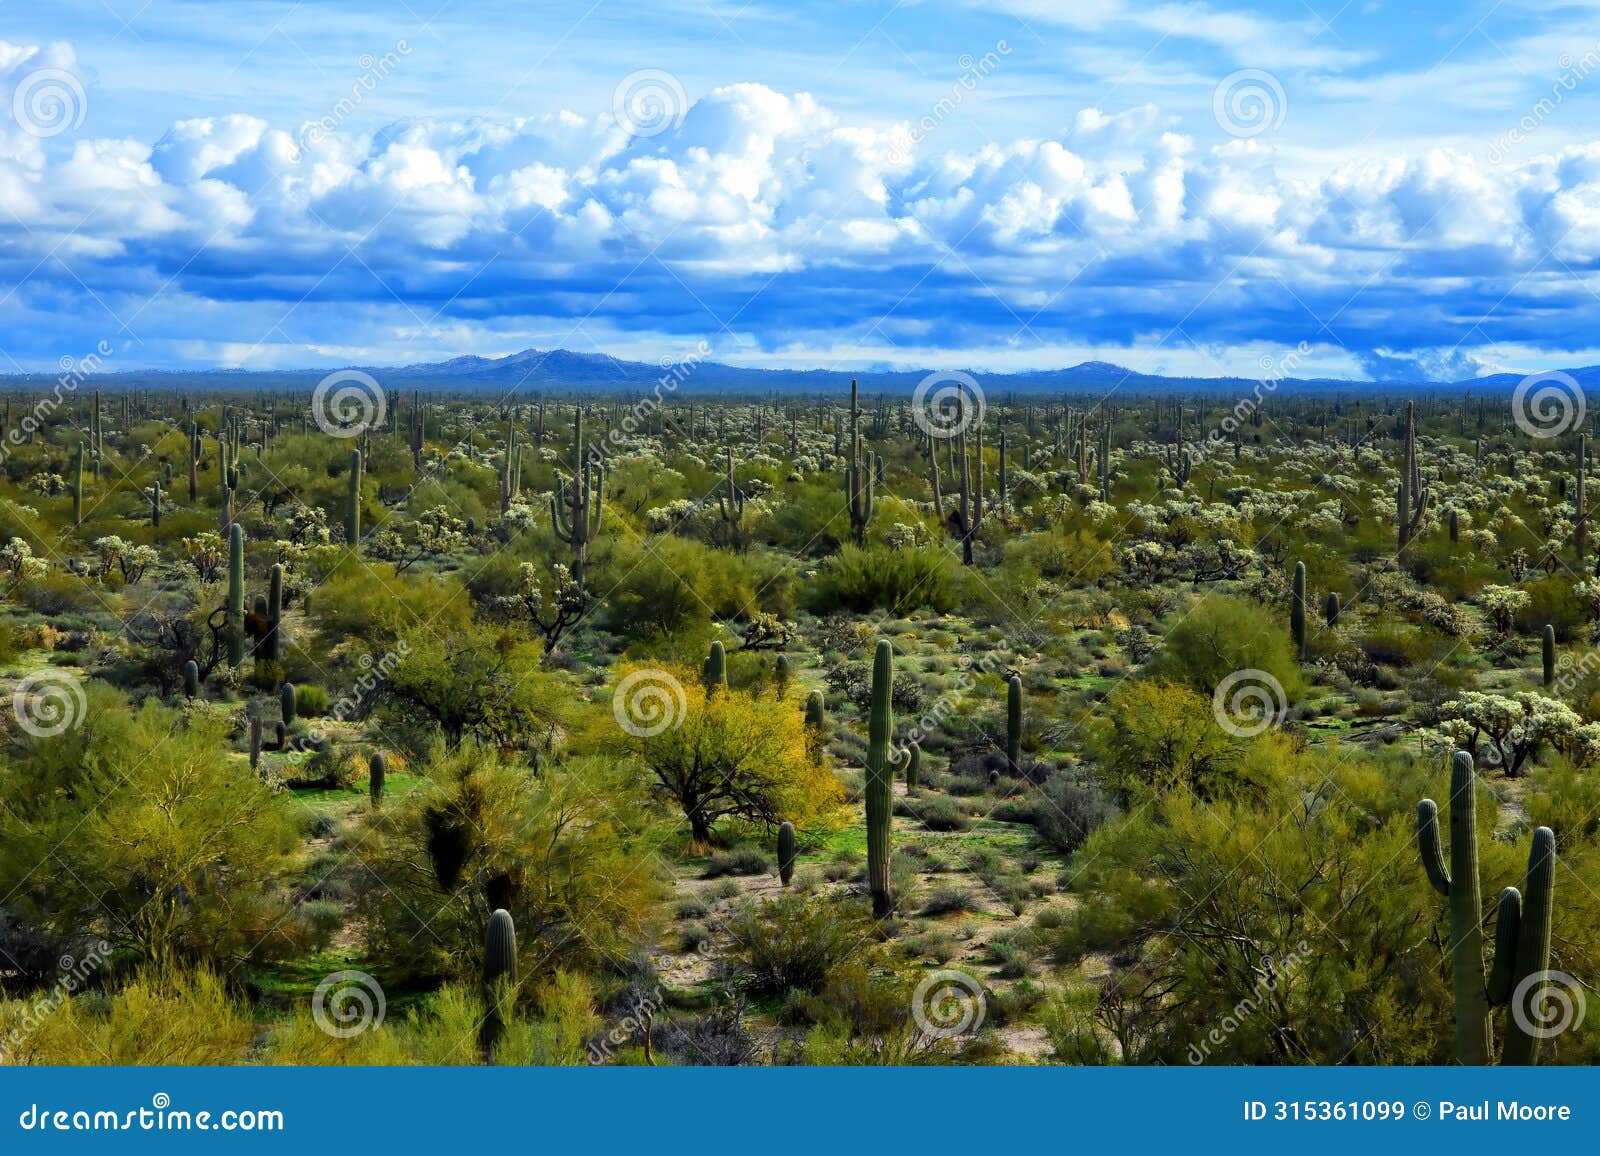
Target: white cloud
806	225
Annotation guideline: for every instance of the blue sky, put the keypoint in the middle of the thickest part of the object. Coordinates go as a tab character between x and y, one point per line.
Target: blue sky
1189	188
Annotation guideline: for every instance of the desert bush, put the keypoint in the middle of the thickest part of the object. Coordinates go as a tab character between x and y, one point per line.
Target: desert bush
897	581
158	840
1069	812
1222	635
561	851
796	942
730	754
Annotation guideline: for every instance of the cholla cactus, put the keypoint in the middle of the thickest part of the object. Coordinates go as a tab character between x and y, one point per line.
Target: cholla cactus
18	565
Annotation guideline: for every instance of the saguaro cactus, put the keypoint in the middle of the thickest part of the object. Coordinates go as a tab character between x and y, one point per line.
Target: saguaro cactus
786	852
1412	501
1523	928
191	678
499	977
1014	723
255	741
286	702
881	766
913	767
1580	529
77	486
1522	932
1297	610
1330	610
578	504
1459	884
715	670
271	644
858	475
352	503
376	768
236	595
1549	654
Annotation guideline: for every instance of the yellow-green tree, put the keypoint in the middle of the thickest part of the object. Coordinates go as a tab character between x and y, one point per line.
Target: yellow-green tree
726	754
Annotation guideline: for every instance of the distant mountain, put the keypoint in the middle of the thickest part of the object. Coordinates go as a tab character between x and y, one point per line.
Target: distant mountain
535	371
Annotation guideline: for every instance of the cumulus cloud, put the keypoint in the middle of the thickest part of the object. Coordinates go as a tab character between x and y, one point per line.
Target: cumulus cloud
766	221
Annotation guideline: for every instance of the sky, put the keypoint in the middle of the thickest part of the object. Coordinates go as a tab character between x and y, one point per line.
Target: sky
1353	189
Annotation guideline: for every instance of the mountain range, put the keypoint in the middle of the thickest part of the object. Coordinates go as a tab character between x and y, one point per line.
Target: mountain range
534	371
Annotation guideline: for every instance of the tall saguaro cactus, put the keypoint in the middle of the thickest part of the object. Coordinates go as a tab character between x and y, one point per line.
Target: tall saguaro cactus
1523	927
579	501
1522	932
236	595
881	767
77	487
272	643
1580	529
1412	501
858	475
1459	884
1014	723
1297	610
352	504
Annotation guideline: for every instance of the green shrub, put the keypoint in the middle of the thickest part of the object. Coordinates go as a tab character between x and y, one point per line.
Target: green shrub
311	701
1069	812
795	942
898	581
1222	635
